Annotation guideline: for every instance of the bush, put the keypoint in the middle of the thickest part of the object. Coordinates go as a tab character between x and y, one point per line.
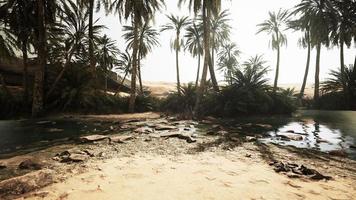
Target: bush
11	105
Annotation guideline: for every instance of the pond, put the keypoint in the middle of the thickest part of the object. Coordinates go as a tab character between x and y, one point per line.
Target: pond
320	130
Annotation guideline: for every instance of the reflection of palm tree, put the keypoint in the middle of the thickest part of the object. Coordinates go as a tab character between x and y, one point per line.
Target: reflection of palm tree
177	24
274	27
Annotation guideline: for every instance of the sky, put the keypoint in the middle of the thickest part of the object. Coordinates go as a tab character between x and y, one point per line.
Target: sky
245	15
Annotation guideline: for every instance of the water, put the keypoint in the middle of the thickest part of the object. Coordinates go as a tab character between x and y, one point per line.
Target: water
321	130
23	136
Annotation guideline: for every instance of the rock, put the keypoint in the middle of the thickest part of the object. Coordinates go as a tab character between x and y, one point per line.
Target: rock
194	135
179	135
76	158
339	153
120	138
162	127
125	127
55	130
321	141
186	129
352	147
73	156
2	166
26	183
290	131
43	122
144	130
250	138
265	126
111	128
30	165
294	137
92	138
222	132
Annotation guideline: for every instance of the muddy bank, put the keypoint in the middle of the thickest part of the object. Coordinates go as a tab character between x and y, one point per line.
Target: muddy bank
218	164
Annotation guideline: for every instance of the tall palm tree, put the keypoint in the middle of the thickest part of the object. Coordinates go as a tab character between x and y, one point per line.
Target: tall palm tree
89	4
303	24
8	43
220	33
344	30
274	27
206	7
227	59
38	92
106	53
194	44
318	14
148	39
140	11
177	24
20	18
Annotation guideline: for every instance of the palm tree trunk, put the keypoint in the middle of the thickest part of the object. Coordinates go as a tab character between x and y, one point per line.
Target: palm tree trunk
91	41
275	85
211	66
37	103
206	25
134	67
25	71
121	83
301	94
342	68
198	72
139	74
317	72
106	83
177	63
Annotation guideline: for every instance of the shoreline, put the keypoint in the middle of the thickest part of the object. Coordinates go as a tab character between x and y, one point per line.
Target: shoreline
219	163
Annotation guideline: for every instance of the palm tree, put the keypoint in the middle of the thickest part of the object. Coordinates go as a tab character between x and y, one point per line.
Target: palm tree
89	4
177	24
194	44
227	59
8	42
253	74
318	14
38	100
274	27
207	7
140	11
74	38
148	39
20	18
220	33
344	30
125	64
106	54
303	24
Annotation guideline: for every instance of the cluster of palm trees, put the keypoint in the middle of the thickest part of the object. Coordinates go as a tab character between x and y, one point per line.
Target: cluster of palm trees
63	32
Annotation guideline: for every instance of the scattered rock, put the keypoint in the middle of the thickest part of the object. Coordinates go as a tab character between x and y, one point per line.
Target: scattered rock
288	137
73	156
339	153
26	183
2	166
92	138
222	132
144	130
162	127
290	131
43	122
30	165
179	135
125	127
319	140
55	130
120	138
265	126
250	138
295	171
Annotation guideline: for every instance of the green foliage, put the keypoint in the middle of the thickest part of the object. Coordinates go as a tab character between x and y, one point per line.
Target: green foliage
180	103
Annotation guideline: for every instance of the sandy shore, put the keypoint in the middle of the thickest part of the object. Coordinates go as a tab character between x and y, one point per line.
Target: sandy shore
214	167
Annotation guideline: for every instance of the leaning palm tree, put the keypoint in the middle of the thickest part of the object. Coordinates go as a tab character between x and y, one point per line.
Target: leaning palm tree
318	14
227	59
274	27
177	24
148	39
220	33
139	11
106	55
207	8
194	44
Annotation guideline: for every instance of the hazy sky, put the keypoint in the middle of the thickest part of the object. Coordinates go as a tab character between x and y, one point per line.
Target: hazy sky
245	15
